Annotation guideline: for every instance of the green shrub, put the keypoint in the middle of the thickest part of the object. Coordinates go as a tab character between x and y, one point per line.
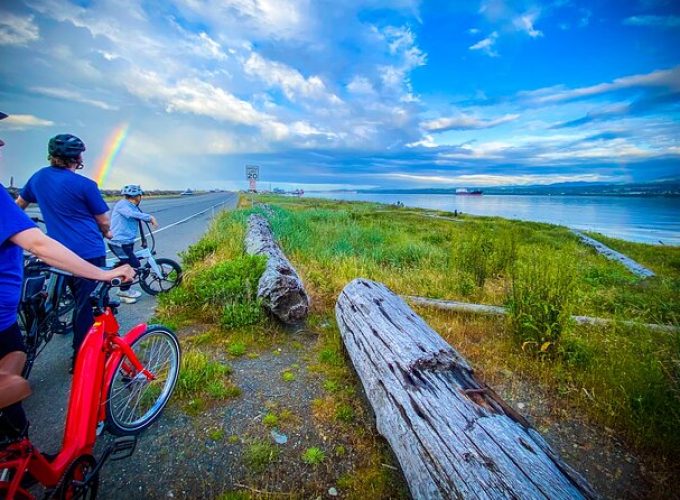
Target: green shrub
199	251
540	302
483	252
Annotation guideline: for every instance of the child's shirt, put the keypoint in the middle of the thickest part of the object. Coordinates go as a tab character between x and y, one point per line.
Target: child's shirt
125	218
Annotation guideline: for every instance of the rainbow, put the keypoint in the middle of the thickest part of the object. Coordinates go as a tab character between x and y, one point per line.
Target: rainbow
113	145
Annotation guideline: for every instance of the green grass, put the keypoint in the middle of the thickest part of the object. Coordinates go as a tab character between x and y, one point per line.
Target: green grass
200	378
270	420
313	456
260	454
622	377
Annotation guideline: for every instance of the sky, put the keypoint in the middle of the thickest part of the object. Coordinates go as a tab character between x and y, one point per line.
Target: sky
322	95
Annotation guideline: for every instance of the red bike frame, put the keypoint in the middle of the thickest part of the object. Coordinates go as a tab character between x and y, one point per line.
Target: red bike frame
96	363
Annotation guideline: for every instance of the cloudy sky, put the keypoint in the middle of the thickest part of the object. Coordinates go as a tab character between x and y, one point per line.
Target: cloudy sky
338	94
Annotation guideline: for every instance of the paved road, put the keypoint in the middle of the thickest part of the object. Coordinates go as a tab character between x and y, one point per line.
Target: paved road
49	378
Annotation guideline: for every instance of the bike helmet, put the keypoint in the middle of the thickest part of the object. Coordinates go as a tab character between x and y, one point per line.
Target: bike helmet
65	146
131	190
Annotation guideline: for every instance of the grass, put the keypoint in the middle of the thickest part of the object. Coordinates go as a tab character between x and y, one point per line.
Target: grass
626	378
313	456
541	272
201	378
260	454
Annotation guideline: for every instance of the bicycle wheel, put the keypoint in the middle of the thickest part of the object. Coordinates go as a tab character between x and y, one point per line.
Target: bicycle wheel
171	276
133	401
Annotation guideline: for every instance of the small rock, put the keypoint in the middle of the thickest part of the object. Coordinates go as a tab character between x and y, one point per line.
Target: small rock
170	494
278	437
333	492
521	406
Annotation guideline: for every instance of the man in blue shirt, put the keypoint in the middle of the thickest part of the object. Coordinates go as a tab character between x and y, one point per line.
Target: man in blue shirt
17	231
75	215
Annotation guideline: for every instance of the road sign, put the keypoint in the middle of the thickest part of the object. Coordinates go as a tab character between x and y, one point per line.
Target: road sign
252	174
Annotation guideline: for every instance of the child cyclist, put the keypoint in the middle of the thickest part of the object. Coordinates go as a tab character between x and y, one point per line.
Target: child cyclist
125	218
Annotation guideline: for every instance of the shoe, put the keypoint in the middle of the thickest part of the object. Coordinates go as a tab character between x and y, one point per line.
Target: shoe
131	294
127	300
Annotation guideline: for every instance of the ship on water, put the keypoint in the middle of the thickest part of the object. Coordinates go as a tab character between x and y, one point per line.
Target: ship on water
466	192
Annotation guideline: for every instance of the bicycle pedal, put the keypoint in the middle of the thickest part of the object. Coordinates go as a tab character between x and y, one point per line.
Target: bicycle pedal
123	447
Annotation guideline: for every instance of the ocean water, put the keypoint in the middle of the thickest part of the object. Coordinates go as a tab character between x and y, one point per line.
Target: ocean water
654	220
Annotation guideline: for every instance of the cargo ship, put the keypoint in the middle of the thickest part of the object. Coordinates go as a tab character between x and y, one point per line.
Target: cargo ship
471	192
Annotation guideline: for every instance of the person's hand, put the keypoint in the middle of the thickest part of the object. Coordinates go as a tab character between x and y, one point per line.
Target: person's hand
124	271
108	235
154	222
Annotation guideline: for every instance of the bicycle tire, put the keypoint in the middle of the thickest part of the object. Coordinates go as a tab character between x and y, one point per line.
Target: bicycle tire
130	392
153	284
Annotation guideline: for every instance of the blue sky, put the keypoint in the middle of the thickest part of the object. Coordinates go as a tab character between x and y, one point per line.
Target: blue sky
352	94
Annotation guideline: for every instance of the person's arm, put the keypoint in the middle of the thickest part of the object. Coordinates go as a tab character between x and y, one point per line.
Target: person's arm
23	204
134	213
57	255
104	223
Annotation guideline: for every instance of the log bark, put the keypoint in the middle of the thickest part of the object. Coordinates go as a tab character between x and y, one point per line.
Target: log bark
453	436
280	288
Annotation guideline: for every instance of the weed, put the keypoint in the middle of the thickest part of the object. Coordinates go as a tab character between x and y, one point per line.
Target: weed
234	439
540	303
340	451
270	420
288	376
237	348
313	456
216	434
344	413
260	454
201	376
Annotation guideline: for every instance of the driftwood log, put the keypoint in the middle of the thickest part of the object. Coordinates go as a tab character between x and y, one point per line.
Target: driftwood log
453	436
466	307
280	288
601	248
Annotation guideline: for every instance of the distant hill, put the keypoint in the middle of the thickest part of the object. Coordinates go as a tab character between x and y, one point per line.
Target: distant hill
663	187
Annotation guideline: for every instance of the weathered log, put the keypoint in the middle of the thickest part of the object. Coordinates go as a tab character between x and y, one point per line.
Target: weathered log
601	248
453	305
453	436
280	288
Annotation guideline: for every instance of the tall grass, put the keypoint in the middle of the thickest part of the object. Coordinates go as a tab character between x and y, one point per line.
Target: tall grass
540	302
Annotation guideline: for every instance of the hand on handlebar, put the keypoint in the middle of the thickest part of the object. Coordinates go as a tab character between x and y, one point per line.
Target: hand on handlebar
125	272
153	221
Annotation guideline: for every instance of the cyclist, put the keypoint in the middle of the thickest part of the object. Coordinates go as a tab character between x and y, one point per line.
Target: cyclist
75	215
125	217
17	231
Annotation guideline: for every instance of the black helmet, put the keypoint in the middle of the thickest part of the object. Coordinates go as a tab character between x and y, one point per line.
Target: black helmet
65	146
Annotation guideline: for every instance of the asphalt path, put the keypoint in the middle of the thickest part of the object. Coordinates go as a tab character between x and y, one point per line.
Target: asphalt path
182	221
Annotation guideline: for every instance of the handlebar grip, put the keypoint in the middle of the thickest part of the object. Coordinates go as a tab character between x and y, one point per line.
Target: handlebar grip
116	282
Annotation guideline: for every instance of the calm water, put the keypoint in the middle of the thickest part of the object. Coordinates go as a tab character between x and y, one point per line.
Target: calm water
648	220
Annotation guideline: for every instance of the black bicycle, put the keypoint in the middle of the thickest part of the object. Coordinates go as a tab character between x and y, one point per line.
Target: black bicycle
46	308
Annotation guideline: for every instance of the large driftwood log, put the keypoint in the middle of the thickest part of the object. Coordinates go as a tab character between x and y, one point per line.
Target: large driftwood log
453	436
601	248
280	288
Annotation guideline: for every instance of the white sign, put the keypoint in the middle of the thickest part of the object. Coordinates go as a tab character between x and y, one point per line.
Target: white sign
252	172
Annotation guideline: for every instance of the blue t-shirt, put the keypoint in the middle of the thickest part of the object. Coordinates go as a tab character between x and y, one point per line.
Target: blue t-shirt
68	203
13	220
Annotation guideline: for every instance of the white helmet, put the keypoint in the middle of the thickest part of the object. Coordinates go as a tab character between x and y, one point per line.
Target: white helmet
132	190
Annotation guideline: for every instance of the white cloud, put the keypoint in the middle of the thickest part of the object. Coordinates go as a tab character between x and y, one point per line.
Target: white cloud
289	80
72	95
17	30
659	21
466	122
669	78
487	45
23	122
525	23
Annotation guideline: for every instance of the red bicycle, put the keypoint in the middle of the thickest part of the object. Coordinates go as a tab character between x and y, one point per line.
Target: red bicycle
120	384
